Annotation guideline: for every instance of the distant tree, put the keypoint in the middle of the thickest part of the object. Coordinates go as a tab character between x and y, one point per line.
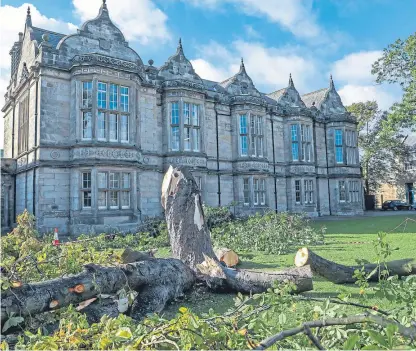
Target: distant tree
398	65
381	151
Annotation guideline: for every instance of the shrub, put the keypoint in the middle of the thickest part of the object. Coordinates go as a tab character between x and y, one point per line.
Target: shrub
271	233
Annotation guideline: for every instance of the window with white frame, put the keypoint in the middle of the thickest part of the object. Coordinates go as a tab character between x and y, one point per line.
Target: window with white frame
301	137
297	192
351	147
354	191
308	197
254	191
23	131
191	132
251	139
339	148
86	190
342	191
112	114
113	190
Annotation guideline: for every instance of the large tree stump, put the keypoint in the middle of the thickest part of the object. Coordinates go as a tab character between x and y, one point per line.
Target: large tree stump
340	274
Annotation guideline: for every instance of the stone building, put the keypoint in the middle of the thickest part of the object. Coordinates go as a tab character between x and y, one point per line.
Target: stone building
90	130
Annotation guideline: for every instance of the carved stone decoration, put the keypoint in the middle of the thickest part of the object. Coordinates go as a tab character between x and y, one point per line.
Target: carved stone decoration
97	58
178	83
104	44
250	165
106	153
55	154
186	161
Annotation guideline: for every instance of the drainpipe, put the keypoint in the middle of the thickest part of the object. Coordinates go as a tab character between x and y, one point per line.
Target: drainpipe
274	165
218	153
36	142
14	109
318	202
327	172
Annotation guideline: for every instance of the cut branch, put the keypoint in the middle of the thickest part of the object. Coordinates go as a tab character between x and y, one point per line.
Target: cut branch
340	274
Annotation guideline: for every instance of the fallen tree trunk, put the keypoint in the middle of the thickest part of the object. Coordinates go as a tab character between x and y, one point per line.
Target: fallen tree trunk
190	240
171	275
340	274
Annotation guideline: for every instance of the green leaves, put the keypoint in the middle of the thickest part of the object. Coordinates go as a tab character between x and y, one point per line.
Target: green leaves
12	322
349	344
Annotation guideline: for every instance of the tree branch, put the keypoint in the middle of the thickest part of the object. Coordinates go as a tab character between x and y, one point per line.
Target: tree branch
409	332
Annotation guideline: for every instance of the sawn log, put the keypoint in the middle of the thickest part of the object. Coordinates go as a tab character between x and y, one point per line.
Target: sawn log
341	274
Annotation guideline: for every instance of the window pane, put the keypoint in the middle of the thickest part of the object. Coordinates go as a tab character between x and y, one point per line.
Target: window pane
196	141
124	99
125	199
101	130
338	154
259	125
102	180
86	180
124	128
114	180
102	199
243	140
86	199
186	114
260	146
246	189
243	124
294	132
102	95
175	138
253	125
297	190
295	152
87	94
195	115
113	97
126	180
253	145
87	125
175	113
113	127
187	139
113	199
338	137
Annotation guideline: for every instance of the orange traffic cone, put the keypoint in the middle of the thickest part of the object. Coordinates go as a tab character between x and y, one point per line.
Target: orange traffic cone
55	241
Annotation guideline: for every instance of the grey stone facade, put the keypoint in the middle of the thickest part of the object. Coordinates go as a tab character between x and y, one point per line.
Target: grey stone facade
90	130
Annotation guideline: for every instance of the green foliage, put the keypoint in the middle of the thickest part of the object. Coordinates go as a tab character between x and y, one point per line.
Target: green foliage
398	65
276	233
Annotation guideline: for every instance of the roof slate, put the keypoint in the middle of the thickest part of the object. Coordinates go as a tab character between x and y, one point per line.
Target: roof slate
54	38
316	97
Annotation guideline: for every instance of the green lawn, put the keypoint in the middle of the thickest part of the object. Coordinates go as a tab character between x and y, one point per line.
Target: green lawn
346	241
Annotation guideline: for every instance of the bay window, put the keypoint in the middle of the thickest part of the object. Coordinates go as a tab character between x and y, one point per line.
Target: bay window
251	143
254	191
110	120
191	132
308	191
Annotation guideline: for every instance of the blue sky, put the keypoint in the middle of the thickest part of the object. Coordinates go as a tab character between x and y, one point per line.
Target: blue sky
308	38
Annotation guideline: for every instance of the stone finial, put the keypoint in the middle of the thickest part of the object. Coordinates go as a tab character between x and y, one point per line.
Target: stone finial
151	62
180	48
291	81
45	37
103	9
28	17
331	83
20	36
242	67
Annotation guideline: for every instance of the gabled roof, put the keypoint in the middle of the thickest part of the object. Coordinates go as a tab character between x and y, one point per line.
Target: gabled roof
315	98
213	86
288	97
53	37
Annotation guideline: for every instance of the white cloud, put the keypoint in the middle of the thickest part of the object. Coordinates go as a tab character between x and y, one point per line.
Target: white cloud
12	22
295	16
356	67
351	93
251	32
269	67
139	20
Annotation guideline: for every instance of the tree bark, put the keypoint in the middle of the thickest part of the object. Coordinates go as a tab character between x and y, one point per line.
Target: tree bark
172	276
190	240
340	274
